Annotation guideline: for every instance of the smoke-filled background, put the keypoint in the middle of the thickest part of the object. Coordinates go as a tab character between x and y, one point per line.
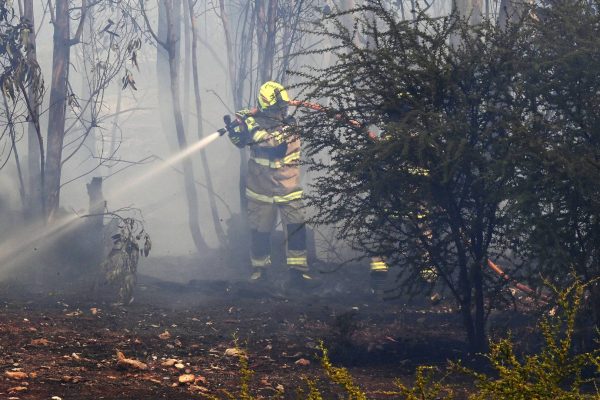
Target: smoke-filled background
117	94
450	172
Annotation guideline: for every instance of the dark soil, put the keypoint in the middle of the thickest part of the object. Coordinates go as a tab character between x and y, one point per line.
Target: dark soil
66	340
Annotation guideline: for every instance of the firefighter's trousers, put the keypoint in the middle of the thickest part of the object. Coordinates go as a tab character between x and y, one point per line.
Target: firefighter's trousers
262	217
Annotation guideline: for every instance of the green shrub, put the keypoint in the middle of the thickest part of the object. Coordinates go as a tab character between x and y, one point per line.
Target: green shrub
341	377
554	373
428	385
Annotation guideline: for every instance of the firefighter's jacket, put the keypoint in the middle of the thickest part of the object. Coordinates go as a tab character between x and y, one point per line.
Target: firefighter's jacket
273	167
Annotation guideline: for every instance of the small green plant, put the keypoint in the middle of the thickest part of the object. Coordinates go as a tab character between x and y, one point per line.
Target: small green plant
554	373
245	377
427	386
341	377
313	391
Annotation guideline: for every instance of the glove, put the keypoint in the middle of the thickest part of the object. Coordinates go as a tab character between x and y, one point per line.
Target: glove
250	125
238	132
231	132
227	121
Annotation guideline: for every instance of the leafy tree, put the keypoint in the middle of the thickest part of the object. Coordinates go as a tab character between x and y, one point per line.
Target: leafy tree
558	190
430	193
16	69
107	53
20	80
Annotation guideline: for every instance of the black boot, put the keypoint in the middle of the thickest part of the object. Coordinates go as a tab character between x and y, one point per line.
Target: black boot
378	282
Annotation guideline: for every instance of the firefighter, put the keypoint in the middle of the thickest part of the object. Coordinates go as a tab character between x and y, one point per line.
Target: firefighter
273	181
379	267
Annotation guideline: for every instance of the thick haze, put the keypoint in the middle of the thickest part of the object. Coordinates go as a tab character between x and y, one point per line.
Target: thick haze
142	135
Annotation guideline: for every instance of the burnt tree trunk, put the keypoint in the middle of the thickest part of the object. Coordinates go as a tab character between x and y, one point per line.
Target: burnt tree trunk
97	202
95	224
35	145
58	102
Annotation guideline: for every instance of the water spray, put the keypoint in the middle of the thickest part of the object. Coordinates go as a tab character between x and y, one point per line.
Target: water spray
168	163
16	247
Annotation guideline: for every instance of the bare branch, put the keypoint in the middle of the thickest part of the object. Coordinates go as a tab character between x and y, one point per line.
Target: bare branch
149	27
79	31
51	12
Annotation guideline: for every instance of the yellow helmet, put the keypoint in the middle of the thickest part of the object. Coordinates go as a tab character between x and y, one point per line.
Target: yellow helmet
272	94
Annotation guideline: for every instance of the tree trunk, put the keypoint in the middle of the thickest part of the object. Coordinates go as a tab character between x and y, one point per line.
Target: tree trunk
510	11
173	28
470	9
236	97
204	159
470	279
57	108
261	36
92	143
267	30
95	224
34	146
186	66
466	303
470	288
113	133
479	342
97	203
162	71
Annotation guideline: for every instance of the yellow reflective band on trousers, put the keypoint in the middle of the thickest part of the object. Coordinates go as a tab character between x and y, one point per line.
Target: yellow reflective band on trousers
378	266
297	261
274	199
265	162
261	262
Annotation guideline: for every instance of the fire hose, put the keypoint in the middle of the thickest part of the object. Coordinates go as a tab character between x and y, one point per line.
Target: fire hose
523	288
298	103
